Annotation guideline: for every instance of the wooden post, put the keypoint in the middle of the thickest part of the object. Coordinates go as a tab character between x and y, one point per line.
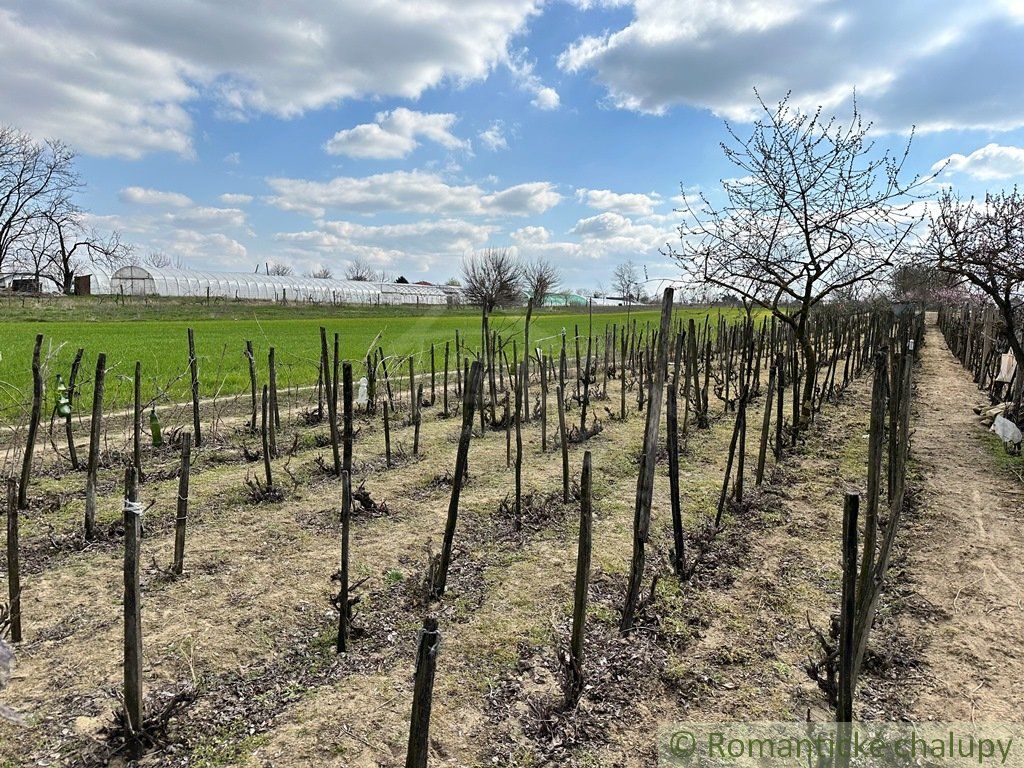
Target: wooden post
416	417
387	436
132	614
473	384
645	483
563	439
766	423
253	424
343	601
579	610
68	428
423	692
137	421
525	399
265	406
445	393
13	563
33	424
520	387
275	411
95	429
847	681
412	391
347	415
181	517
433	373
678	557
543	404
193	370
332	401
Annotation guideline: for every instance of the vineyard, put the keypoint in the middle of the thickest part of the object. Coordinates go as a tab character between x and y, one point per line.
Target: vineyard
525	553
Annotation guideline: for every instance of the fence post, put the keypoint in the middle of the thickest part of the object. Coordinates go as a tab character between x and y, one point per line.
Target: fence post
423	692
132	614
13	563
579	612
33	424
95	427
181	517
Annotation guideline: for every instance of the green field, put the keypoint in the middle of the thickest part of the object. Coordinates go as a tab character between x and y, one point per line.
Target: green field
154	332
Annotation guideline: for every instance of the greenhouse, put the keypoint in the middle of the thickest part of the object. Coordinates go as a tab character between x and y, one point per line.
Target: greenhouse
150	281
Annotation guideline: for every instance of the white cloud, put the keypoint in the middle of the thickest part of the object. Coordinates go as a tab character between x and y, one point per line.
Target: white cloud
394	135
494	136
119	80
531	235
544	97
630	203
990	163
233	158
409	192
232	198
938	65
144	196
423	245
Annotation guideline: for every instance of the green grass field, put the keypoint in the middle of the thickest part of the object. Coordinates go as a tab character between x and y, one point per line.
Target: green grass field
154	332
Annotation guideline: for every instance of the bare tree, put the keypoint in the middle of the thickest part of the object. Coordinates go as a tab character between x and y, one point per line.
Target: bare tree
492	278
34	177
163	260
814	210
59	243
280	269
362	271
626	281
322	273
982	243
541	278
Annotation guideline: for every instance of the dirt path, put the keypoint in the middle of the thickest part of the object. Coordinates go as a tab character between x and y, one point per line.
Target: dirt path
968	557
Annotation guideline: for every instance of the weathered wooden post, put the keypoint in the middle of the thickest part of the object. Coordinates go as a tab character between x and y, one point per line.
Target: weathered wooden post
343	601
265	407
445	394
13	561
137	421
68	424
520	387
563	439
416	419
347	415
579	610
181	516
387	436
423	692
275	411
433	373
93	462
678	557
762	451
193	371
645	484
332	401
473	384
848	612
33	424
132	614
253	396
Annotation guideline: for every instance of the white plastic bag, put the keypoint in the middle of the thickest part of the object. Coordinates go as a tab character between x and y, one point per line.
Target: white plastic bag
361	397
1006	430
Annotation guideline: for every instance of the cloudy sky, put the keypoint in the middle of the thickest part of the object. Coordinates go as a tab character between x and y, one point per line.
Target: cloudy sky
412	132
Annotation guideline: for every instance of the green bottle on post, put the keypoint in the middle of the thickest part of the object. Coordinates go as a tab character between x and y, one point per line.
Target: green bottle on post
63	403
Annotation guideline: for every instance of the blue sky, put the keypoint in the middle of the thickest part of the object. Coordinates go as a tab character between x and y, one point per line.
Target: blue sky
409	134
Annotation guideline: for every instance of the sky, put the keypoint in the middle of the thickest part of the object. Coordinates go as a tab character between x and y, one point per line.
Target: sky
411	133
